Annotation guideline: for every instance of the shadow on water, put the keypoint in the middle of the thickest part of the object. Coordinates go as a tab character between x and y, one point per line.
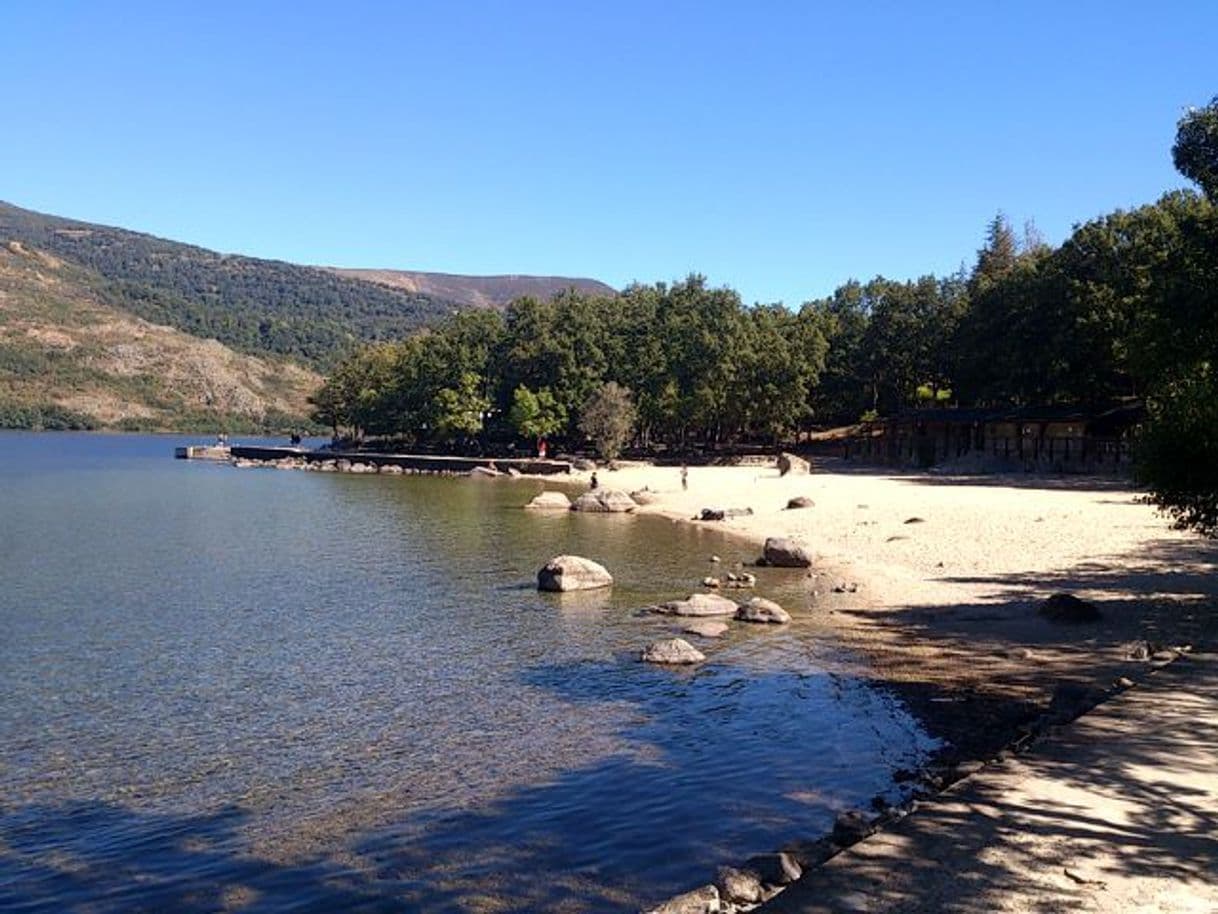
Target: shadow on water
599	836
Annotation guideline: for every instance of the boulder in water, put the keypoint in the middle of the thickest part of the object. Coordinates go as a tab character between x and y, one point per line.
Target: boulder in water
550	501
759	609
699	604
611	501
572	572
673	651
784	553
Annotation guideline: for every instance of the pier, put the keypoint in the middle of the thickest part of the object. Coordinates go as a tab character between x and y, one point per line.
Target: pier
418	463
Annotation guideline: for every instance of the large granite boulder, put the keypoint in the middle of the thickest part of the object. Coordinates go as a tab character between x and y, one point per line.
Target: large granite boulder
699	604
781	552
672	650
572	572
613	501
759	609
790	465
550	501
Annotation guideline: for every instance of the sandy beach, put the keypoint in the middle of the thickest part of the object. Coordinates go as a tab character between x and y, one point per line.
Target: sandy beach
936	579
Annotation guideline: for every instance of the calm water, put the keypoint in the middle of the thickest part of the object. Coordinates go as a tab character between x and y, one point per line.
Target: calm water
265	690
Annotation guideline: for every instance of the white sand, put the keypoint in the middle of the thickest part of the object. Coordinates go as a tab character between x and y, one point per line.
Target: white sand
983	540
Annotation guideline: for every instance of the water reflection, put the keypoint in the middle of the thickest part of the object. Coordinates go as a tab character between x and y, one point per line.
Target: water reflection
329	691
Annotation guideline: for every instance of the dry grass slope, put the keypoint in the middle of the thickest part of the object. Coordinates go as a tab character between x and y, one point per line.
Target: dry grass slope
61	347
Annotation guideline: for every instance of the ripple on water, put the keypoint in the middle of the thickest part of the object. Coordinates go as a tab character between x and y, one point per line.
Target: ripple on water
266	690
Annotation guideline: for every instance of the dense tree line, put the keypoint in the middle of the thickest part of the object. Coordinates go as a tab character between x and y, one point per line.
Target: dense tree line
698	365
256	306
1126	307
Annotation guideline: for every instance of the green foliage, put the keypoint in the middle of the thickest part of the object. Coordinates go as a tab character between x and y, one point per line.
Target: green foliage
252	305
43	417
1195	153
608	419
461	410
1178	450
536	415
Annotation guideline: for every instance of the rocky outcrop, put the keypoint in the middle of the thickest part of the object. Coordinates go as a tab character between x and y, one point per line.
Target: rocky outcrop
698	604
759	609
674	651
707	629
1069	609
572	572
550	501
612	501
781	552
790	465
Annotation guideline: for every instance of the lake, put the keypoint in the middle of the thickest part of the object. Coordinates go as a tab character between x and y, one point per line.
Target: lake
266	690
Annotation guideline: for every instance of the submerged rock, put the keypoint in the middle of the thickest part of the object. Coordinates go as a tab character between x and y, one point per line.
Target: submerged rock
759	609
673	651
550	501
784	553
612	501
699	604
705	629
572	572
1065	607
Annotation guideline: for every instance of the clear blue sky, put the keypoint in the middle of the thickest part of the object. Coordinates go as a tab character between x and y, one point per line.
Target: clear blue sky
780	148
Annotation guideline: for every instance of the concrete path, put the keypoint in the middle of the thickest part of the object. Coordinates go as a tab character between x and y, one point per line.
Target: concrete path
1116	813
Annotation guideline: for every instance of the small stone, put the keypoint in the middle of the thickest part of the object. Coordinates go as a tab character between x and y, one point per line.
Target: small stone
915	520
715	558
675	651
800	501
1124	682
710	582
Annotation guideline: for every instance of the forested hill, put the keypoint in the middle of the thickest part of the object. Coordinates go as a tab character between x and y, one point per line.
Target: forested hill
479	291
255	306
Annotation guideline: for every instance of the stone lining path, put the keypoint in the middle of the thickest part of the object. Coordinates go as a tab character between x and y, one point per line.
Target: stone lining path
1116	812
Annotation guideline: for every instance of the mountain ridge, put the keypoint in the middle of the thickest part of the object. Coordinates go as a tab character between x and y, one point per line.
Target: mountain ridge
477	291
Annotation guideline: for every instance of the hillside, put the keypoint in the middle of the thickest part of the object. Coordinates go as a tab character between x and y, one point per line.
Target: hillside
476	291
254	306
69	358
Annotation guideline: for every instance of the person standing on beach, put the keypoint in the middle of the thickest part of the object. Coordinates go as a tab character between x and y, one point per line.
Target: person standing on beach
684	476
593	482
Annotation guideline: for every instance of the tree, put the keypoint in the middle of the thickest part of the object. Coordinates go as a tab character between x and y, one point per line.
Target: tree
608	419
536	415
1195	153
460	410
1178	451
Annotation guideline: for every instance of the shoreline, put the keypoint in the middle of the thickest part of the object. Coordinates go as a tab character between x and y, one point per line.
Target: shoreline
957	638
